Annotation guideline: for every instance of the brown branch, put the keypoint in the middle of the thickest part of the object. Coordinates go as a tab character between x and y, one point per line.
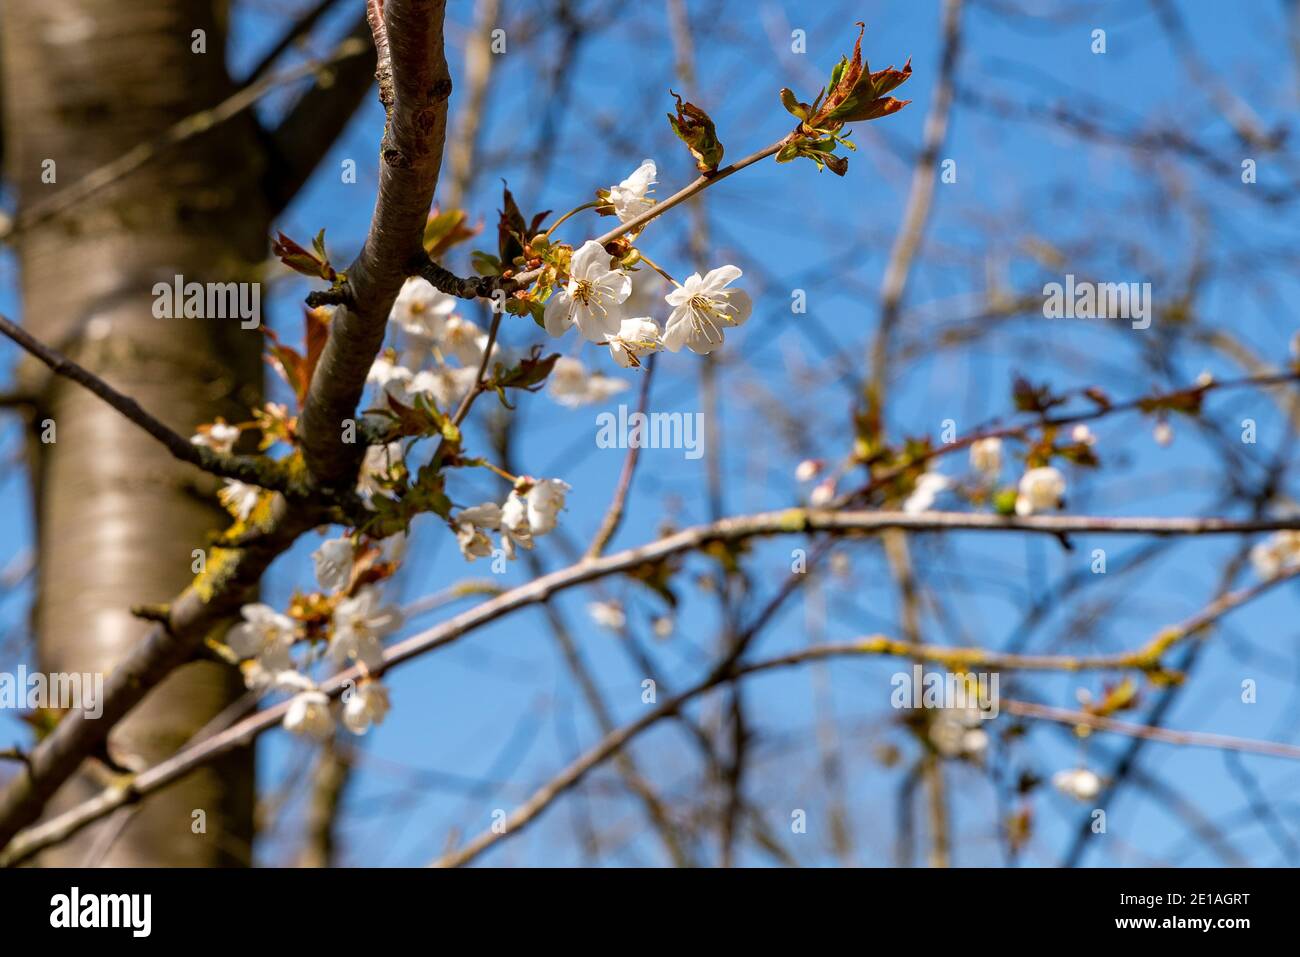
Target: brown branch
213	745
417	94
198	609
920	197
544	796
1194	739
329	782
252	469
414	86
479	61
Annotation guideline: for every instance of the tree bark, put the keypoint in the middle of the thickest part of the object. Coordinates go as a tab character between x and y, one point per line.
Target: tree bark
84	81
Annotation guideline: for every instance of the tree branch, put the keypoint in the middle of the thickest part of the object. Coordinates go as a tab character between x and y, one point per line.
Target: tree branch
541	589
416	92
253	469
414	86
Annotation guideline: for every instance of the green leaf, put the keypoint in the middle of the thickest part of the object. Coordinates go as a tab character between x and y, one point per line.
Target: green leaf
792	104
485	264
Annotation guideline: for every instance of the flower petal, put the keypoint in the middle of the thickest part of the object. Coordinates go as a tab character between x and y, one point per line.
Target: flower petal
738	306
720	277
559	314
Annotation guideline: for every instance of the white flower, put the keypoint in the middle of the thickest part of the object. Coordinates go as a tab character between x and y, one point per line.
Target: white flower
808	469
445	385
367	704
571	385
1083	435
928	487
986	456
636	337
259	678
238	498
702	307
593	296
823	493
662	627
567	382
333	561
219	436
955	732
1041	489
264	634
514	525
309	714
1164	434
1079	783
1276	554
384	370
358	624
377	465
463	341
514	513
544	500
487	515
420	309
607	614
472	541
629	197
601	388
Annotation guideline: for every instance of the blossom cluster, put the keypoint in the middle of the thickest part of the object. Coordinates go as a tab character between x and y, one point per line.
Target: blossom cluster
598	287
352	620
532	508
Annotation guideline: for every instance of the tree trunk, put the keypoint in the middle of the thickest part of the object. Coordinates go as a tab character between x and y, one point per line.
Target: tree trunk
85	81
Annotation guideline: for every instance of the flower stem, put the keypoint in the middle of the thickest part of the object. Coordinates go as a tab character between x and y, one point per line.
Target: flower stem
657	268
500	471
576	209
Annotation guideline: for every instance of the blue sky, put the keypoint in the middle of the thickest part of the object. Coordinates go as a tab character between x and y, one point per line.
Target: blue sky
477	726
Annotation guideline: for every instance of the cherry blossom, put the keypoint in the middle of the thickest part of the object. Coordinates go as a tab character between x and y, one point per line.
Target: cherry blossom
1081	784
358	624
636	337
592	297
572	385
928	487
702	307
265	635
366	705
986	457
1040	490
333	563
220	436
309	715
239	498
420	309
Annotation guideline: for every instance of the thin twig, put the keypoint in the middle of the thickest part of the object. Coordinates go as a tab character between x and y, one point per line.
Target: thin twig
614	515
254	470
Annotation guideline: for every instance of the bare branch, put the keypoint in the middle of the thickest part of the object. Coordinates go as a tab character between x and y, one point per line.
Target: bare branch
252	469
